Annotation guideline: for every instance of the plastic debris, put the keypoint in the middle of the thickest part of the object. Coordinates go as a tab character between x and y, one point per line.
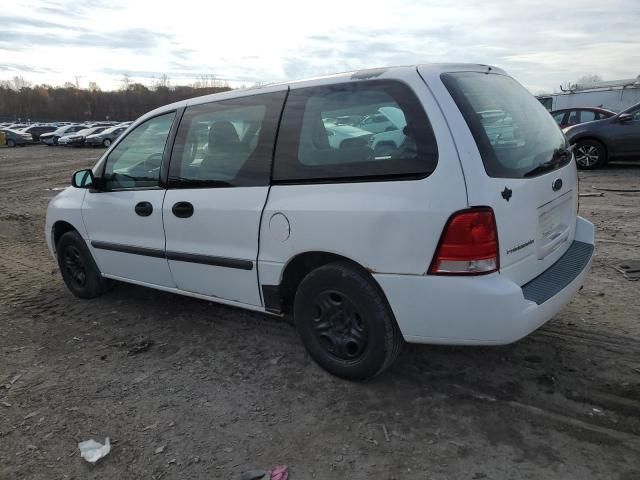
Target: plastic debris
93	451
280	472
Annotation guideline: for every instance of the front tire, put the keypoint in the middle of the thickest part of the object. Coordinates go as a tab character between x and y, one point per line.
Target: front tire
11	143
590	154
345	323
106	143
79	272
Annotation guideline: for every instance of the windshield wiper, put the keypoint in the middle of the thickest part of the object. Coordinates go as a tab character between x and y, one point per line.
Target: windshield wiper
559	154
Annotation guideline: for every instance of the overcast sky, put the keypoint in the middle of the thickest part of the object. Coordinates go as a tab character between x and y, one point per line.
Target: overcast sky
540	42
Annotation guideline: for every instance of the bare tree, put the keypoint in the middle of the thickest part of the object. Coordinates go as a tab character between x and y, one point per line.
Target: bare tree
589	80
126	82
94	87
209	81
162	82
18	83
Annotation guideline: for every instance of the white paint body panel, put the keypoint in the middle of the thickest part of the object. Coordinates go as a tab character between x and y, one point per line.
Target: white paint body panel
517	219
390	226
65	207
484	310
110	217
225	224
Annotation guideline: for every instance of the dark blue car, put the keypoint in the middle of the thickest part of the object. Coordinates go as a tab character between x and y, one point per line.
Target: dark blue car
598	142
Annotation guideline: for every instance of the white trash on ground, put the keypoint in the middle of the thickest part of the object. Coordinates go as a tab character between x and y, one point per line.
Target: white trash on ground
93	451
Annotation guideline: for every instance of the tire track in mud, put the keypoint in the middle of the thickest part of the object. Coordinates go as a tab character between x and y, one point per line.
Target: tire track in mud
30	282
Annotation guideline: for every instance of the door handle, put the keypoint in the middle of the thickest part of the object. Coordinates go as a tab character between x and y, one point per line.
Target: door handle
144	209
182	209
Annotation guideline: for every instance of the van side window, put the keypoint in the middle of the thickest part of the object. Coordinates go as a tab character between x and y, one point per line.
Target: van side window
357	130
135	161
226	143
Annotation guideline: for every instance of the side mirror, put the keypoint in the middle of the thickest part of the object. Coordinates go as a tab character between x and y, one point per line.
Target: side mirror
625	117
83	179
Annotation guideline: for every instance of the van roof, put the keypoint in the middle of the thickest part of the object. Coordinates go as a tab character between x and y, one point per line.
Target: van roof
364	74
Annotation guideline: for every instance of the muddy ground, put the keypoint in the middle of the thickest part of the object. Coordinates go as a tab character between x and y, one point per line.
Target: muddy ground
223	390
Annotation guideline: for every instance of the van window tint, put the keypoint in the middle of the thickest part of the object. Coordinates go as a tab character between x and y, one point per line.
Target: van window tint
226	143
354	130
135	161
514	133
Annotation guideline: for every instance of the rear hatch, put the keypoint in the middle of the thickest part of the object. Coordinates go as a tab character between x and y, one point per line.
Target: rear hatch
523	170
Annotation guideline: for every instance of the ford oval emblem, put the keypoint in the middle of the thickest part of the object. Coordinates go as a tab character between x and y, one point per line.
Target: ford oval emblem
557	184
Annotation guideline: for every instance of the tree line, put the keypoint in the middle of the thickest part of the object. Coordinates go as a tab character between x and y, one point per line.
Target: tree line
41	103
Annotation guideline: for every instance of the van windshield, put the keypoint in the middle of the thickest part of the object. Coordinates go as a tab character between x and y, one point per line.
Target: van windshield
515	134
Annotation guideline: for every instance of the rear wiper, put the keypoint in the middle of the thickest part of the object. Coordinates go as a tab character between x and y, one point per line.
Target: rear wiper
558	155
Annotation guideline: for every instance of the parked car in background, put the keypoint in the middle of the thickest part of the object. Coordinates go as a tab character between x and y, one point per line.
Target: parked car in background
337	134
52	138
77	139
617	137
384	143
574	116
106	137
460	236
376	123
37	130
17	126
14	138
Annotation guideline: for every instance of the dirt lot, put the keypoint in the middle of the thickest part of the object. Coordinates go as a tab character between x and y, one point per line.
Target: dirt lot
223	390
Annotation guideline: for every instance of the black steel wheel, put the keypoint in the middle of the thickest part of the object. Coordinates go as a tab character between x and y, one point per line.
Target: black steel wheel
345	323
79	271
339	325
74	266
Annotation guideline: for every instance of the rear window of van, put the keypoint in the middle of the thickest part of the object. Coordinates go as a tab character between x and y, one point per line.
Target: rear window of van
515	134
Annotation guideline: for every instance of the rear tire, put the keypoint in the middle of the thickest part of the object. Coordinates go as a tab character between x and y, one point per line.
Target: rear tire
345	323
590	154
106	143
79	271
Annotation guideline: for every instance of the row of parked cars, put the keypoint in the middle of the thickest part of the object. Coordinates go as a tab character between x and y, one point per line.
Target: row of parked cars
68	134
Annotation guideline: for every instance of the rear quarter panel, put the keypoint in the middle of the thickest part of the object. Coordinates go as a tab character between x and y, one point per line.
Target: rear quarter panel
385	226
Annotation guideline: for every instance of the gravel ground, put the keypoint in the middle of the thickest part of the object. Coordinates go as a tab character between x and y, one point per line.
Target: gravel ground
222	390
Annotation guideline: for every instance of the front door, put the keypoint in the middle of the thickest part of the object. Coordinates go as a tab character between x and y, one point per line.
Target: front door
218	185
625	136
124	218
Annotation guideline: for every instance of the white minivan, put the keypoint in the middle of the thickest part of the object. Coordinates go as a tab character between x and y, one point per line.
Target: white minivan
463	230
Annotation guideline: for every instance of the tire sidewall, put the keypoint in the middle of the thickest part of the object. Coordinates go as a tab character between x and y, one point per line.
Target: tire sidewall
94	283
365	296
106	143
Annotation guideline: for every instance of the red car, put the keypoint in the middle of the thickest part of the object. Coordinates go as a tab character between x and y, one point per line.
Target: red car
568	117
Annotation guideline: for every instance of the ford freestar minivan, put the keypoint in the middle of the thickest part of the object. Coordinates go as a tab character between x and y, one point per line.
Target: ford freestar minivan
455	224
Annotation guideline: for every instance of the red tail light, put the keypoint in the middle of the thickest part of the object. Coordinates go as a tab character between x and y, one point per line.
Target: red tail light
469	244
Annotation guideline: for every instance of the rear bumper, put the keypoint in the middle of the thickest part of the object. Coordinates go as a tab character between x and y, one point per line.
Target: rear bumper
486	310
